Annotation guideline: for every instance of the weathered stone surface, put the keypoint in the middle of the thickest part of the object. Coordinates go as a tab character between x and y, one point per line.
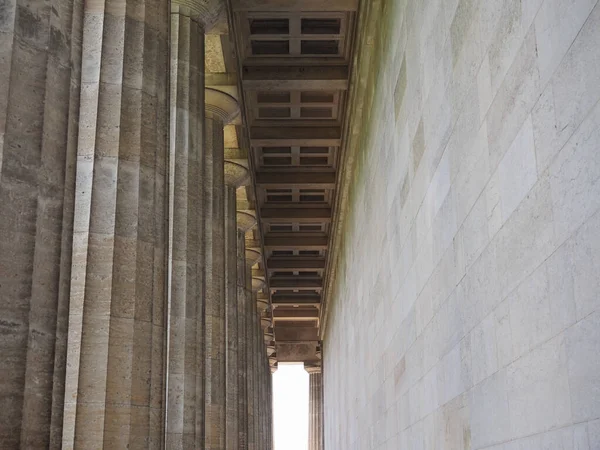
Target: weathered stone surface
82	245
466	277
220	286
185	390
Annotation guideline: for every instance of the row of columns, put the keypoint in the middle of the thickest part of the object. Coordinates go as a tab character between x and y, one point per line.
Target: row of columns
128	315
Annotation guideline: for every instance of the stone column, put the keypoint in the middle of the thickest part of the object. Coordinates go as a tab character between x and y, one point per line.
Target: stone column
221	108
116	331
40	83
235	175
185	365
260	389
245	221
265	401
263	366
271	437
185	228
252	257
257	339
315	424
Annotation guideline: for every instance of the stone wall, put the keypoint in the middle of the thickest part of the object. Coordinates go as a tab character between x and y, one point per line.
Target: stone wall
465	311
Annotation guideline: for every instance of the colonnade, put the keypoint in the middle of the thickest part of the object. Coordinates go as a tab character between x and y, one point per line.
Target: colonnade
128	318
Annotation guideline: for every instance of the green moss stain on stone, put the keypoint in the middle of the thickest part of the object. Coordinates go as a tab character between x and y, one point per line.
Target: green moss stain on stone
375	86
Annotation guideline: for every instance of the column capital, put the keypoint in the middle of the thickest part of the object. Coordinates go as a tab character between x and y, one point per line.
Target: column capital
245	222
312	368
268	336
206	12
252	256
257	284
235	174
262	303
221	105
265	322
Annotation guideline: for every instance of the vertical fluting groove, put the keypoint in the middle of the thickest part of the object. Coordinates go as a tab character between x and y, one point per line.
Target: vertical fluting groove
199	151
231	318
242	347
170	395
179	149
215	286
194	278
155	134
191	248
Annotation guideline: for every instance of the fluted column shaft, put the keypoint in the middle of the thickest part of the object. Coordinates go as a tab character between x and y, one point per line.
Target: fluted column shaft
264	403
261	379
114	377
40	82
219	109
235	174
185	400
251	356
245	221
271	437
215	287
315	423
231	325
242	347
256	362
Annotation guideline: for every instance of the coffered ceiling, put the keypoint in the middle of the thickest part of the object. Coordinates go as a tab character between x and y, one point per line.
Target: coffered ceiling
294	58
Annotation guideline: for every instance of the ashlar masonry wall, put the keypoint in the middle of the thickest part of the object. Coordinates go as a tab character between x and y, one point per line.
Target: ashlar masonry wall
465	310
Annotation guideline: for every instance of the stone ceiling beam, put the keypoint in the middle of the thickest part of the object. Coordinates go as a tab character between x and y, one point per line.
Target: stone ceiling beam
314	180
296	136
299	300
330	78
296	264
295	314
298	242
296	284
295	215
294	5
